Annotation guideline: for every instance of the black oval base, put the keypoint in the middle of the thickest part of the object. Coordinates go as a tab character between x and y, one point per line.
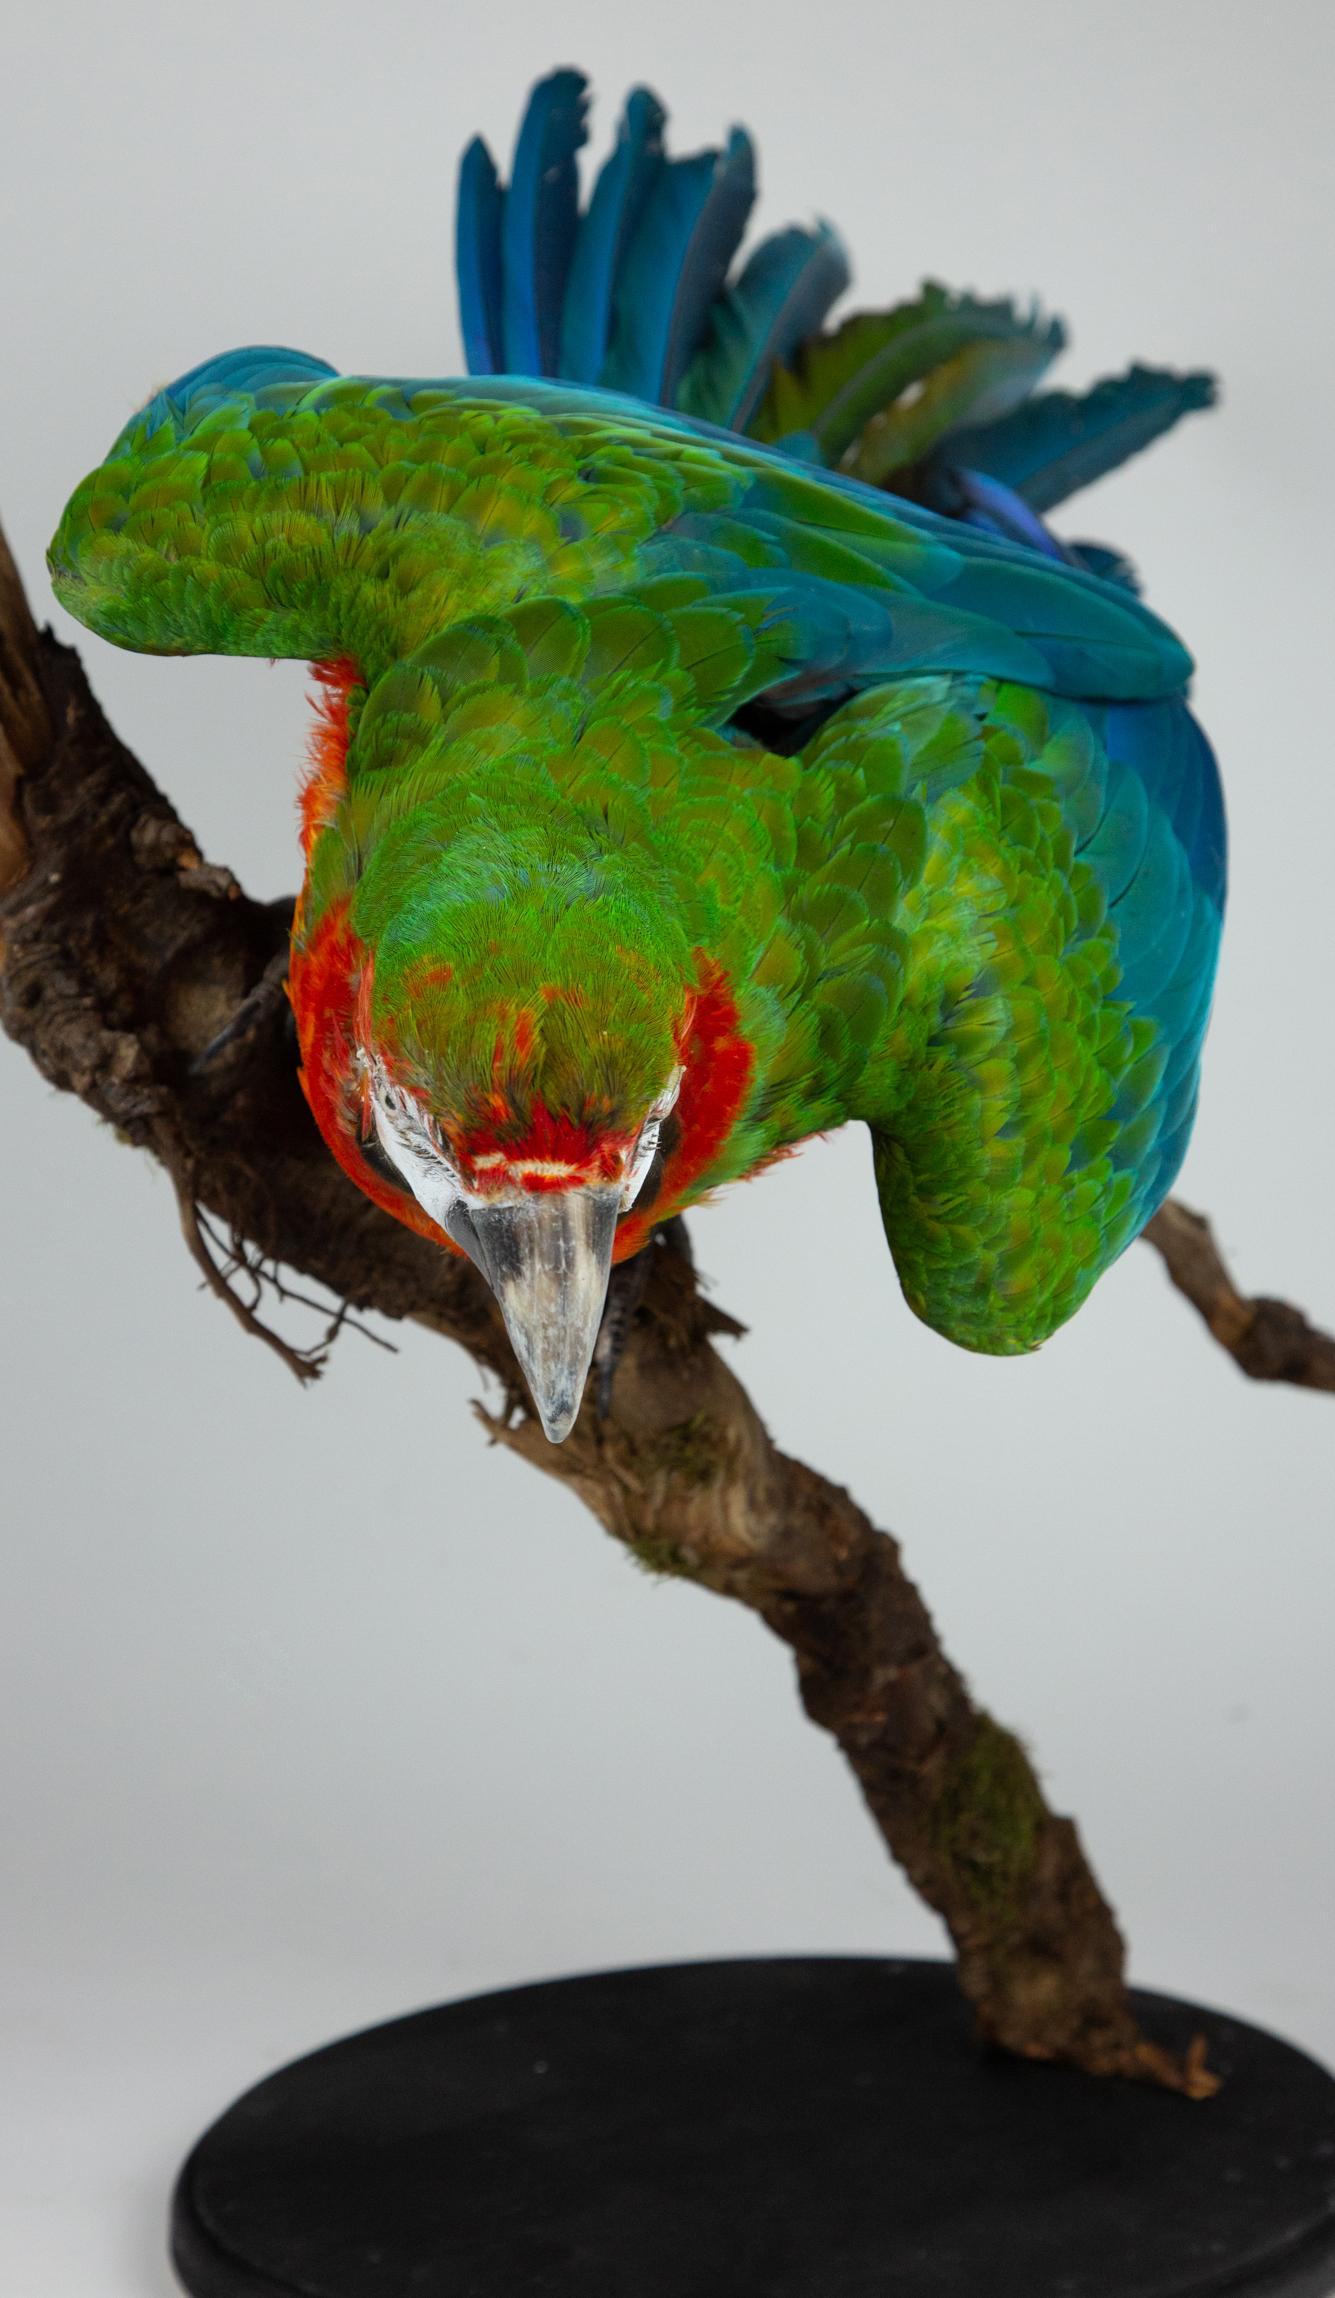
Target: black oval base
788	2129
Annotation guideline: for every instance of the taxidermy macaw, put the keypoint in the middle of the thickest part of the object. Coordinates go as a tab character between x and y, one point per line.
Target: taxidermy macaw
714	746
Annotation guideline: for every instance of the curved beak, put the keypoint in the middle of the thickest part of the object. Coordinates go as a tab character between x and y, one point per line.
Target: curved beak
547	1259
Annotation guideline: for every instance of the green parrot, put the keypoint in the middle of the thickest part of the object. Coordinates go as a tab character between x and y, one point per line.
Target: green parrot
714	747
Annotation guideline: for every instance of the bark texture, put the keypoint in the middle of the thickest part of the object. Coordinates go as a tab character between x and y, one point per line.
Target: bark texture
124	955
1267	1339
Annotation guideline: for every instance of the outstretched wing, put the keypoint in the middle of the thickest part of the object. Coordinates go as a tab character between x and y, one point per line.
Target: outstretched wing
264	505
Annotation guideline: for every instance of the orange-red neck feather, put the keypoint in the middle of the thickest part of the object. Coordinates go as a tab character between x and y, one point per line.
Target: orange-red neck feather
326	776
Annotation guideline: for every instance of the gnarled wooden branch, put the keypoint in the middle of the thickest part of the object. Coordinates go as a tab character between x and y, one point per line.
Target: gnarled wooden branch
1268	1340
125	955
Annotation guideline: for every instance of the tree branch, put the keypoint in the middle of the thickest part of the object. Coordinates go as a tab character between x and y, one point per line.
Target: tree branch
125	957
1268	1340
307	1364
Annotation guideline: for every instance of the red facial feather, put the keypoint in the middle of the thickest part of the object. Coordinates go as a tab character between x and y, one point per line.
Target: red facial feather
326	982
717	1062
592	1153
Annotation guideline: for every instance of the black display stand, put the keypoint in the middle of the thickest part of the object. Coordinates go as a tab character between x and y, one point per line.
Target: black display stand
787	2129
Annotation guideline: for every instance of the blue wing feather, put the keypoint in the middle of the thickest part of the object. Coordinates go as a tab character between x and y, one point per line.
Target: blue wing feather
1175	762
1108	564
253	368
1081	637
1159	850
984	502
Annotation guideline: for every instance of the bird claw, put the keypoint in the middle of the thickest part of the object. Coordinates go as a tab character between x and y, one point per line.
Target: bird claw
258	1006
625	1292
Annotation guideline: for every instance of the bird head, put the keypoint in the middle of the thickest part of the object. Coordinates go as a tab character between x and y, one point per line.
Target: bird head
501	1046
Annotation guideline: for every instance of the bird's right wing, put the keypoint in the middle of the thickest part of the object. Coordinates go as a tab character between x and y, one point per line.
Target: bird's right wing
264	505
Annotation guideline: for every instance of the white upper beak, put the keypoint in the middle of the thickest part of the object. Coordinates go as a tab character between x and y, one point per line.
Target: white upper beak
548	1258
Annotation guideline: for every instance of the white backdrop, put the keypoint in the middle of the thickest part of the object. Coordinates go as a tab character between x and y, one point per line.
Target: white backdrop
281	1760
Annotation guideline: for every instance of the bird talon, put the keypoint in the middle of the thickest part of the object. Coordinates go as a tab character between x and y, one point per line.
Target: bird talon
259	1005
625	1291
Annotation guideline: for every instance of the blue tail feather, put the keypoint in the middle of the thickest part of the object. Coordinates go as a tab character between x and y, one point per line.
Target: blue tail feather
675	267
634	296
1053	445
1108	564
784	292
477	257
619	196
538	222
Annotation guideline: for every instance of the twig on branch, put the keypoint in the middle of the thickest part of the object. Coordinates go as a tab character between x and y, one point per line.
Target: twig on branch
1268	1340
235	1259
339	1313
307	1364
125	958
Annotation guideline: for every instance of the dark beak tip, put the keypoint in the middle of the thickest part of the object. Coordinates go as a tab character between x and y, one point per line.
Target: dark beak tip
558	1420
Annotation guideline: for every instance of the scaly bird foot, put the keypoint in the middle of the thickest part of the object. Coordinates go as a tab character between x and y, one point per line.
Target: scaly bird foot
625	1291
624	1294
260	1005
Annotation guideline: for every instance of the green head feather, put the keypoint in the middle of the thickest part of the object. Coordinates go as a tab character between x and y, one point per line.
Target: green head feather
524	971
